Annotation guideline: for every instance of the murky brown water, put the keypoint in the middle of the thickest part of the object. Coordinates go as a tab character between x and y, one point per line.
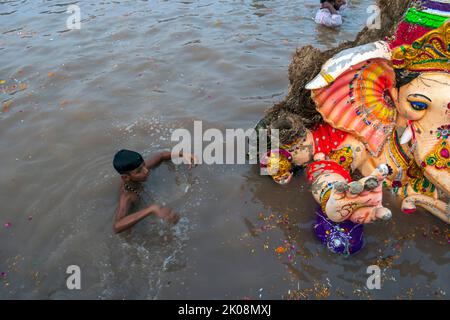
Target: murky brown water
135	71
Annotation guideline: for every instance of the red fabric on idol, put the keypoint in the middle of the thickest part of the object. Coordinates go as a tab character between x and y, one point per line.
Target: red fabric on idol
317	168
327	138
407	33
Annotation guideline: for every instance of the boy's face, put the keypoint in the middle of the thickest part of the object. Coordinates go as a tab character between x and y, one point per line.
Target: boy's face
137	175
339	3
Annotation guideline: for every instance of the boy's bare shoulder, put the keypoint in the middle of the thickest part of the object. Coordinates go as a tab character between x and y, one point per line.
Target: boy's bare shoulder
126	195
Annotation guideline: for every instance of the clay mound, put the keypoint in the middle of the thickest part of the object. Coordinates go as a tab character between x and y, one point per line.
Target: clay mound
307	61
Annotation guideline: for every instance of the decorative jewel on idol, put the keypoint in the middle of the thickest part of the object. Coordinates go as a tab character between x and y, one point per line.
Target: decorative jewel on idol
339	241
443	132
439	158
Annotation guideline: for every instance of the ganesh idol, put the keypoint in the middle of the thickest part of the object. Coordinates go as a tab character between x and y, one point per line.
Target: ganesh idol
385	114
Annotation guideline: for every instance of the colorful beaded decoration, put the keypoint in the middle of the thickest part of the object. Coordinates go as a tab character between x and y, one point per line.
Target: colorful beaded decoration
423	186
428	53
443	132
439	158
343	157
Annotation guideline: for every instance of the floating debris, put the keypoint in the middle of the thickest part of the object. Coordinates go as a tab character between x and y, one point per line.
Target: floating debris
280	250
318	291
288	248
6	106
63	103
12	86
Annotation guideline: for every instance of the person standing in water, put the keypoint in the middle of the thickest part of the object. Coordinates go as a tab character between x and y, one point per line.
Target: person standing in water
330	13
134	170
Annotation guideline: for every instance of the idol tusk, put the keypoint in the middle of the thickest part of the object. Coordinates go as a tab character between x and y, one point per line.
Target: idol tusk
406	136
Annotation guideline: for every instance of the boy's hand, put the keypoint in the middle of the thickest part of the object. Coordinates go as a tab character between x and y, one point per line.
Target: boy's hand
166	213
191	159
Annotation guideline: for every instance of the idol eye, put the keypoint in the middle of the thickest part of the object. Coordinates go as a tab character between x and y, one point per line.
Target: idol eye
417	105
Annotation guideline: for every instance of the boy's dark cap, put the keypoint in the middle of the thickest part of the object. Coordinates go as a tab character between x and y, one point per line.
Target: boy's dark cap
126	161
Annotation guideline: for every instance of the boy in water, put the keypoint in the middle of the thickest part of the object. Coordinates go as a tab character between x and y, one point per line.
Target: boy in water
134	170
330	13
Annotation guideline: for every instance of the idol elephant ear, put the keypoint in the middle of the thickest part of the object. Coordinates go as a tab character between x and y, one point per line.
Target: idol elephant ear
360	101
346	59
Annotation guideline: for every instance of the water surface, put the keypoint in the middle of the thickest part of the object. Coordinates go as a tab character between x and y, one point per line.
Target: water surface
134	72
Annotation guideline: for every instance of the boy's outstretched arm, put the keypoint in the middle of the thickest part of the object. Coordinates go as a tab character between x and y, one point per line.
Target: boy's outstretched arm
156	160
122	221
167	155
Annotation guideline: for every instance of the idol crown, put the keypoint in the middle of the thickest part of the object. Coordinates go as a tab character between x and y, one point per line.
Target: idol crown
430	52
